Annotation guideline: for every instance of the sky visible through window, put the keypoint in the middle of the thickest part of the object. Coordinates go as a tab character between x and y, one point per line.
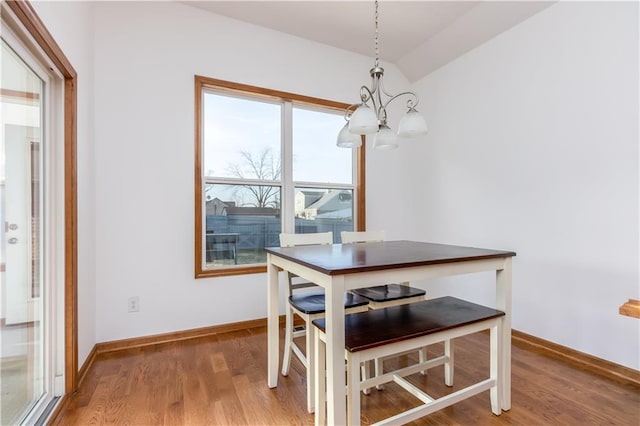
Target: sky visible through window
233	125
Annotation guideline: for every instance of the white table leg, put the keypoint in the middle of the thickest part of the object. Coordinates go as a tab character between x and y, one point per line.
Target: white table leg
336	394
273	341
503	302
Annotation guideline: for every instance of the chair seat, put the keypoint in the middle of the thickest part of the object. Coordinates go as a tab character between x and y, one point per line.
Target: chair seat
313	303
388	292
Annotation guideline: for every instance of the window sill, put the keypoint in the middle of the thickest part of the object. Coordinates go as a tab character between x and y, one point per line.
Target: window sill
224	272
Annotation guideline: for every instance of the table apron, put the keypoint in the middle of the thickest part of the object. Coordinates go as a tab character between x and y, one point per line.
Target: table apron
385	276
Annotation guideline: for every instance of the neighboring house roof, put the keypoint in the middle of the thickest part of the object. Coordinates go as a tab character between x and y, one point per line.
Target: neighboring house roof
217	200
332	201
311	197
216	206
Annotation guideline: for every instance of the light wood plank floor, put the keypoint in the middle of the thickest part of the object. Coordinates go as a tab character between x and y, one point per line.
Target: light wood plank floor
221	380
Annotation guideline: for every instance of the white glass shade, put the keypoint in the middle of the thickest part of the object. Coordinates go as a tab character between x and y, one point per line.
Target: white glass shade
385	138
363	121
346	139
412	125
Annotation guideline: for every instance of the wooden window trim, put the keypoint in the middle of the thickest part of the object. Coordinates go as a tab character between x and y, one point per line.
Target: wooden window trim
202	83
35	27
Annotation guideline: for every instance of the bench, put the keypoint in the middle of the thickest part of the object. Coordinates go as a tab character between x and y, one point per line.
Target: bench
383	332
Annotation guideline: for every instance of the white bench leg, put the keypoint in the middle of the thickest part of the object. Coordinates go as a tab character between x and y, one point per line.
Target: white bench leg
353	389
495	367
448	366
320	373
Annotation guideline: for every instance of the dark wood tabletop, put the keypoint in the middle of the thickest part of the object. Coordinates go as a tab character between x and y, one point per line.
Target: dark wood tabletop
339	259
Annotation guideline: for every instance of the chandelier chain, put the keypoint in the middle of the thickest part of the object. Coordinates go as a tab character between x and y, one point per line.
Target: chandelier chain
377	52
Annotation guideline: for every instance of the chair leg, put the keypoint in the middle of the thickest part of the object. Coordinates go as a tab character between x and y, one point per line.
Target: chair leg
365	369
448	366
379	371
288	340
310	355
422	354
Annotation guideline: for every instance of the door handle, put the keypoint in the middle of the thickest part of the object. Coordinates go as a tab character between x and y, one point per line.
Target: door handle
13	240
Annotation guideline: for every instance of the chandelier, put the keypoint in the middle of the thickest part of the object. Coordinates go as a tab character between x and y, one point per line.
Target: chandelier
370	116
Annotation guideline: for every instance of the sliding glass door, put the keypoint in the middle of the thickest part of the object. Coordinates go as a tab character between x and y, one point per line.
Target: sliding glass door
27	287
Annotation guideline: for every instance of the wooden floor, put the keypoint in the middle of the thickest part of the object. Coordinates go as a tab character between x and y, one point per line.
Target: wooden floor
221	380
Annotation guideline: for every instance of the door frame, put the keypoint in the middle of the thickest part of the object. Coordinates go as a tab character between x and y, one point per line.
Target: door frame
29	19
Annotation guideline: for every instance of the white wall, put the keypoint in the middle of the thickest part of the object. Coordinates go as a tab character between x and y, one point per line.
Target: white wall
146	55
533	147
70	25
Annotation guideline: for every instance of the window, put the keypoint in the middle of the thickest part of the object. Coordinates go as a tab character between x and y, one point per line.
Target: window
266	163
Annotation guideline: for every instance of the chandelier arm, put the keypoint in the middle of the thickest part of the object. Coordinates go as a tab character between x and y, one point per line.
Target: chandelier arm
366	95
349	110
411	103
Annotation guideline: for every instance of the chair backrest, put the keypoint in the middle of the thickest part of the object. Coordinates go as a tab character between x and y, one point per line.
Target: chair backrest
292	240
348	237
361	237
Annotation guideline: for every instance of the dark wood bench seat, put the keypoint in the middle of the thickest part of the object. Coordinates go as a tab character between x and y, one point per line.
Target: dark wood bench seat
379	327
383	332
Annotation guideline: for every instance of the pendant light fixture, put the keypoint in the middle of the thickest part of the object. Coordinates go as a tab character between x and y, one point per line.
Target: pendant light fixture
370	116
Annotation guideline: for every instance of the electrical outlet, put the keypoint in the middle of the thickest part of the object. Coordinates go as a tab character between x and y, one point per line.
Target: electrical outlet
134	304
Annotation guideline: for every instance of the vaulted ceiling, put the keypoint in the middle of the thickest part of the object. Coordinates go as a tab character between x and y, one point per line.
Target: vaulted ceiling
417	36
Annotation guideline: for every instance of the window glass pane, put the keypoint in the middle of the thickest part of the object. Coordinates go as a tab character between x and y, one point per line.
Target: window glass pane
322	210
316	158
23	342
241	138
240	221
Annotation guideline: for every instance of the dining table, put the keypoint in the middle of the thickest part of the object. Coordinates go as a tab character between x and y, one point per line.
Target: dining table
339	268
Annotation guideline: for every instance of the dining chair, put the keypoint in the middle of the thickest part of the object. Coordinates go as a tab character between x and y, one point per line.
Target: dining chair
309	306
385	295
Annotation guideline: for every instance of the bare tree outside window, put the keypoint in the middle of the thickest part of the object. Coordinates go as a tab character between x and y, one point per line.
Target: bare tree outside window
261	166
